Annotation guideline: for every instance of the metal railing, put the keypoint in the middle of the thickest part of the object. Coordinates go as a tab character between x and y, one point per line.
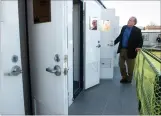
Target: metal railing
148	83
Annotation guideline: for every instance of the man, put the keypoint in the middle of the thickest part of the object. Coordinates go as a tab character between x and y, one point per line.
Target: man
158	39
94	25
130	42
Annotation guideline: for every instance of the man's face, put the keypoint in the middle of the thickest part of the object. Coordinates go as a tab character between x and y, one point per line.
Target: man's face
94	23
131	22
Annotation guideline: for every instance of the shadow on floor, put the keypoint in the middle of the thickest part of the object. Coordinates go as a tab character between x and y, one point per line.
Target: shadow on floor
108	98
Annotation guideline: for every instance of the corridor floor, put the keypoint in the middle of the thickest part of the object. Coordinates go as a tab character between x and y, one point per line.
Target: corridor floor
108	98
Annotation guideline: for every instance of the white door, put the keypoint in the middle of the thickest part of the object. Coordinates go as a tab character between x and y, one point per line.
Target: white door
91	43
49	82
11	83
107	45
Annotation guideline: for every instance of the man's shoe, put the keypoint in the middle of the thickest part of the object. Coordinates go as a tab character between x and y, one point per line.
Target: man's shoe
123	80
128	81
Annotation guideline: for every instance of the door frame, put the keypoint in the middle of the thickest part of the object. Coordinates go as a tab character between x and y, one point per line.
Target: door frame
81	71
24	48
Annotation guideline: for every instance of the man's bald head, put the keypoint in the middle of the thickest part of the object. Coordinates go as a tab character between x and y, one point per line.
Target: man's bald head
132	21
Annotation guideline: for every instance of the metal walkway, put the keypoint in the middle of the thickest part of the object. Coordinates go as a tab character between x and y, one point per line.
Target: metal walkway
108	98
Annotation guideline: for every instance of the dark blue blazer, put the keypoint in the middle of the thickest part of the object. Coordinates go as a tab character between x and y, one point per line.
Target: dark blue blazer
135	41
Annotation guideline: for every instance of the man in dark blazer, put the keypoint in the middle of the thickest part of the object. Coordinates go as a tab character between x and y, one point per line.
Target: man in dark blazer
158	38
130	42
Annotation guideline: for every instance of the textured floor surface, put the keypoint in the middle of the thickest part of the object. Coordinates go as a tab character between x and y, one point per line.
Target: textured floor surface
108	98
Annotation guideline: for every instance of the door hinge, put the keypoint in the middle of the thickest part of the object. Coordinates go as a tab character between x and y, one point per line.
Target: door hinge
83	12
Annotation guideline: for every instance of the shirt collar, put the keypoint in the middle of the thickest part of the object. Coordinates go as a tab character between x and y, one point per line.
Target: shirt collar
129	27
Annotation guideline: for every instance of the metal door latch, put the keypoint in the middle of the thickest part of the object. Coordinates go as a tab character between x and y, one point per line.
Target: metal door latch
66	71
65	58
56	70
15	71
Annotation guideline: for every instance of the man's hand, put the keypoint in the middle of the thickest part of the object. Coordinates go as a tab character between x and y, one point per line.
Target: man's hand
137	49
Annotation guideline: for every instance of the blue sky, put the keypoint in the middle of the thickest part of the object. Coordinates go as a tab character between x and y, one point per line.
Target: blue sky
145	11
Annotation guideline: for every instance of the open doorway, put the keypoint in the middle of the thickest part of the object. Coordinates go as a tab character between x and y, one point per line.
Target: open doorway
77	47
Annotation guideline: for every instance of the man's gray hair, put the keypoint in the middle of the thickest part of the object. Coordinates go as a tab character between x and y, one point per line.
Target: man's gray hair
135	20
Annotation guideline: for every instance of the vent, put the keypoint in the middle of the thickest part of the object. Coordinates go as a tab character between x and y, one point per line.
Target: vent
106	62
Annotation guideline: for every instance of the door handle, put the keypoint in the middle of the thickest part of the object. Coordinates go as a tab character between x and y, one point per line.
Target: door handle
56	70
15	71
110	45
51	70
98	46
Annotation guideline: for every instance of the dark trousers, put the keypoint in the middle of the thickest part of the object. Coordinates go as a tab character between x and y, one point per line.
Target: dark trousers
126	72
